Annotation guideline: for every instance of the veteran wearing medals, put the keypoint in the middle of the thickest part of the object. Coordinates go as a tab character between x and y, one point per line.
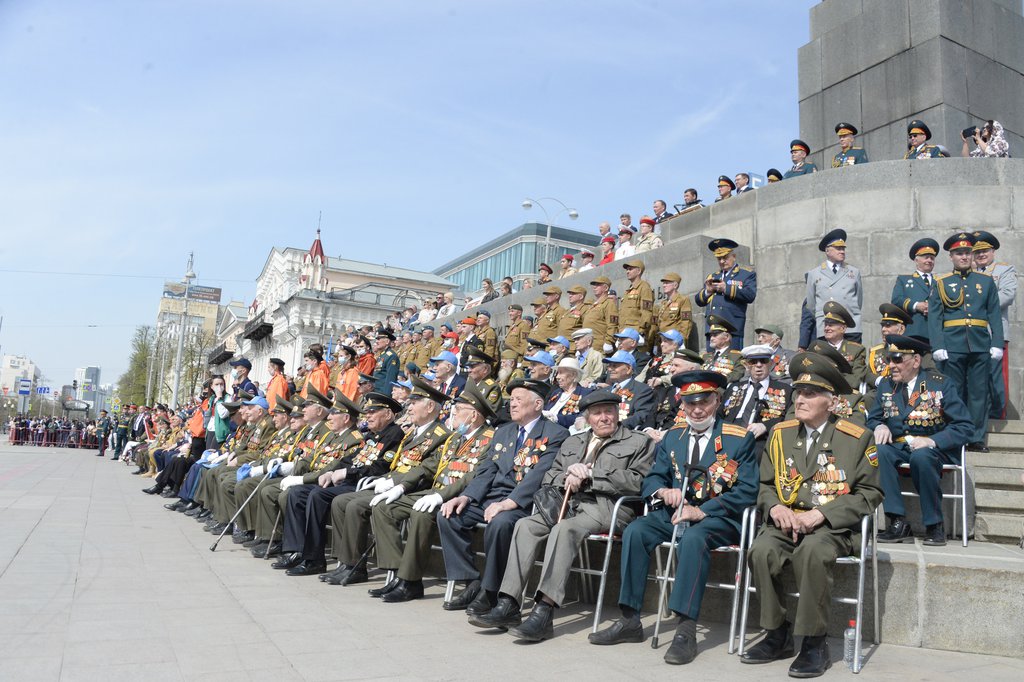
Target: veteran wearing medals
669	413
911	292
850	406
461	453
918	419
819	476
894	321
758	402
918	135
966	331
712	506
721	357
848	155
771	335
594	469
636	409
500	494
798	151
727	293
837	320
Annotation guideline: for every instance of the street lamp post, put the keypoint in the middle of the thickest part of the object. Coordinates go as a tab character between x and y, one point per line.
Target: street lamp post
529	203
189	276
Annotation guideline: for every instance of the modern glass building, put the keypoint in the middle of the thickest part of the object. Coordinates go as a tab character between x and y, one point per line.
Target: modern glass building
517	254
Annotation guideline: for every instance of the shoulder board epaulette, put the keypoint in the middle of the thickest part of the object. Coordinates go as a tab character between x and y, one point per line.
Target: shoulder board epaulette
358	435
733	430
788	424
983	274
440	431
877	346
1003	264
488	432
943	276
745	267
936	375
856	148
850	429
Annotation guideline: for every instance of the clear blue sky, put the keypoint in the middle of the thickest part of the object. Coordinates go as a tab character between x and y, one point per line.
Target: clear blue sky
132	132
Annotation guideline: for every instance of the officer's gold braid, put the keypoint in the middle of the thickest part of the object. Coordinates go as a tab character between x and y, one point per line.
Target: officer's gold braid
782	477
394	460
312	464
947	301
295	441
445	458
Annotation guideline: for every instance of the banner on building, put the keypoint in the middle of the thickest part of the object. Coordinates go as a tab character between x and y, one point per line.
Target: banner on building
195	293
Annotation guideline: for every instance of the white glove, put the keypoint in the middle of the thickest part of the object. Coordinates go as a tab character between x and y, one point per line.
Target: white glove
428	503
383	484
289	481
222	411
996	353
220	458
257	471
388	497
275	462
940	355
366	482
549	415
286	468
607	348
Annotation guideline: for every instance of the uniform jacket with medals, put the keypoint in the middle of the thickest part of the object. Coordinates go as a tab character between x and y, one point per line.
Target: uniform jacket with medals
414	463
335	449
849	157
728	362
460	456
934	409
964	314
769	410
923	151
367	456
740	291
385	371
839	477
279	445
730	483
636	411
805	168
251	449
570	408
908	291
516	475
620	465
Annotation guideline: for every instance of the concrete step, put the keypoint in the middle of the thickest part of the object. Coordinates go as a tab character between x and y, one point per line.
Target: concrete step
992	499
1006	441
1006	426
996	459
993	527
999	477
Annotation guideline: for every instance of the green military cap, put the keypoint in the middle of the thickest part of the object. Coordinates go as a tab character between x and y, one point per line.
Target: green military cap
472	397
552	291
509	354
538	301
601	280
378	401
536	343
233	405
339	403
516	306
242	396
898	344
421	389
845	129
828	351
476	356
960	240
894	314
282	406
635	263
770	328
835	312
541	388
983	240
298	403
924	247
774	175
671	277
918	127
720	324
578	289
366	378
811	369
687	354
836	237
316	396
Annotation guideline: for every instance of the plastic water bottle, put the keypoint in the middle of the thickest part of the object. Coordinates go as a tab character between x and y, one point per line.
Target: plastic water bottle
850	644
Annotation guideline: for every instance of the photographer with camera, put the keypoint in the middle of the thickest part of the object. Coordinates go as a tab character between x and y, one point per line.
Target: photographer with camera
989	140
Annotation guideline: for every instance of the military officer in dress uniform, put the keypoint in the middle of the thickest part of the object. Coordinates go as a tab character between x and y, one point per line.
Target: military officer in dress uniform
459	456
848	155
636	304
725	188
573	318
518	330
546	325
966	329
798	151
602	316
771	335
918	419
835	280
386	369
500	494
1005	277
837	320
773	175
594	469
103	426
720	357
850	406
818	478
911	292
757	402
895	320
479	377
712	505
918	135
727	293
669	412
674	311
488	337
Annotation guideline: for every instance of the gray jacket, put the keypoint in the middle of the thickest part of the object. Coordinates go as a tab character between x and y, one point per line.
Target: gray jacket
843	287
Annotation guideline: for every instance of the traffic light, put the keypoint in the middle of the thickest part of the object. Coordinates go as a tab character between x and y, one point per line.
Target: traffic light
74	385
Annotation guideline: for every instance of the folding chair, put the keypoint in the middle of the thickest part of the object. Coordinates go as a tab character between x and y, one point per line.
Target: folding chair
866	555
959	491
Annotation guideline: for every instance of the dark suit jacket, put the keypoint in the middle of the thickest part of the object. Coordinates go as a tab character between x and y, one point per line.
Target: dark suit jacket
565	420
641	405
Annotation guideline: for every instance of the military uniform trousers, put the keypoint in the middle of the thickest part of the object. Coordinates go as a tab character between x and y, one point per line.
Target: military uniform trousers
412	559
247	518
224	496
998	384
966	370
350	525
207	479
305	518
813	559
270	501
562	544
190	484
693	558
120	439
457	539
925	471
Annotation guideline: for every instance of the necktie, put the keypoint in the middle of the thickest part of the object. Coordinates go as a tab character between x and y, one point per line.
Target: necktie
812	439
521	438
835	269
928	280
592	448
695	449
749	401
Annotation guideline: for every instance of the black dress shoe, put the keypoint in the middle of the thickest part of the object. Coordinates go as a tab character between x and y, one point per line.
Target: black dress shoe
814	658
504	615
482	604
308	568
621	631
249	544
273	549
337	575
538	626
167	492
898	530
153	490
776	645
977	447
219	528
189	506
935	535
463	599
407	590
259	549
204	514
684	644
99	454
175	506
287	561
138	472
379	592
355	576
243	536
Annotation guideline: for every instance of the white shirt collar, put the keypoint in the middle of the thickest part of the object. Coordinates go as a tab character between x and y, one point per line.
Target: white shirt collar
527	428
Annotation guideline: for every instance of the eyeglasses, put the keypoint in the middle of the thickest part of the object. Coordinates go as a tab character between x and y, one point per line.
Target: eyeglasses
897	358
757	361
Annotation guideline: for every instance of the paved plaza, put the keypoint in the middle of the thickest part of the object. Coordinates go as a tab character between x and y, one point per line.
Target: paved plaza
100	582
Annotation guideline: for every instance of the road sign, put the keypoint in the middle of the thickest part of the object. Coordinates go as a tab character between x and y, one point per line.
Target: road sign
42	390
24	387
115	404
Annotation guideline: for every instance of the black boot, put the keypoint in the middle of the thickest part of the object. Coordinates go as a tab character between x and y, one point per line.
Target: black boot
898	530
482	603
814	658
622	630
463	599
935	535
355	576
407	590
538	626
684	644
504	615
188	506
776	645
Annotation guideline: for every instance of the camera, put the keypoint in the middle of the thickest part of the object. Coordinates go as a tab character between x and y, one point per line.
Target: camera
969	133
716	278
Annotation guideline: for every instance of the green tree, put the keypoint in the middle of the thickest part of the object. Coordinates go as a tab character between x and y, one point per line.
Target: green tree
131	386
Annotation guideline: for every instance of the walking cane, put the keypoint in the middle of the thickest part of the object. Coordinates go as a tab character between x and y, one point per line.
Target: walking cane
277	520
271	472
677	534
565	505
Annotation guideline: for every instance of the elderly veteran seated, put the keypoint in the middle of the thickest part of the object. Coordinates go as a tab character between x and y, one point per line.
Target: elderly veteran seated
819	476
758	402
591	472
636	410
563	404
712	505
918	419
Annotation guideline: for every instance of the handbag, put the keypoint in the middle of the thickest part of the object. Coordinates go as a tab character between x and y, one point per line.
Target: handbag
548	503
